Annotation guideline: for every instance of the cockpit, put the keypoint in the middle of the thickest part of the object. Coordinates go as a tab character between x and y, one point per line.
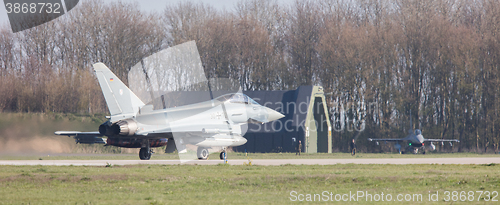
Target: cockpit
237	98
418	132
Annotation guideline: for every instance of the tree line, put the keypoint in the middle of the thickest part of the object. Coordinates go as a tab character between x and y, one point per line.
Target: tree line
377	60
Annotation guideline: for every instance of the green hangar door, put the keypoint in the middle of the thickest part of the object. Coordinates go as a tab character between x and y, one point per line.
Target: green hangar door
318	134
322	128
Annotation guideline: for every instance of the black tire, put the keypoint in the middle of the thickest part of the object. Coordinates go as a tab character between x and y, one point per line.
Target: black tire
145	154
222	155
202	153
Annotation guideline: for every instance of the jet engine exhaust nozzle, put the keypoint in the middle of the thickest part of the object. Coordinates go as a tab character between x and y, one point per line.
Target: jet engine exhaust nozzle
124	127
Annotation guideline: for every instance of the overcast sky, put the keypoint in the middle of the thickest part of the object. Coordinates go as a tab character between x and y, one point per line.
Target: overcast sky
150	5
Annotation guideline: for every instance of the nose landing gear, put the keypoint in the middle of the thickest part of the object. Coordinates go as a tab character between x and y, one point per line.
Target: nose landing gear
223	155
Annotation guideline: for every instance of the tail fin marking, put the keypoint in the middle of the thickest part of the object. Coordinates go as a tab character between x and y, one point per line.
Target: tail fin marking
119	98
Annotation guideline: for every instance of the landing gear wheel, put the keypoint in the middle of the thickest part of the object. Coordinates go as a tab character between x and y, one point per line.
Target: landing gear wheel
222	155
145	154
202	153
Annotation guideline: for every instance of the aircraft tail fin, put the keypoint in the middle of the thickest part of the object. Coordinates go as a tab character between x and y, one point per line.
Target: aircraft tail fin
119	98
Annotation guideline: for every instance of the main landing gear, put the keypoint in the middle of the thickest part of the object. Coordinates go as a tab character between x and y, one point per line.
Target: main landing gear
145	153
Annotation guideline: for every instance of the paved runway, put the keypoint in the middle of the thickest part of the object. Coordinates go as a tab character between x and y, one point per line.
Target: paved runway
265	162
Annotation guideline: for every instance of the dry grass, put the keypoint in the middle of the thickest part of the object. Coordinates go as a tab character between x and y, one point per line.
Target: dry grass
191	184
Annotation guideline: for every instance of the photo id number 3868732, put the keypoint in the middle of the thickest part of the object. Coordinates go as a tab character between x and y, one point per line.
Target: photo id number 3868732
33	8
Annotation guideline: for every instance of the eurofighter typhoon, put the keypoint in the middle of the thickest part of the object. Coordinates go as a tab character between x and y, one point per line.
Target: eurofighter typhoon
218	122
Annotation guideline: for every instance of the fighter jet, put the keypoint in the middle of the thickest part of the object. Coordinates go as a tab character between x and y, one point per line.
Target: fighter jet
415	141
133	124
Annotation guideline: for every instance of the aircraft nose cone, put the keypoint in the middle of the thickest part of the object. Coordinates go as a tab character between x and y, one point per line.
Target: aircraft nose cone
420	138
242	141
273	115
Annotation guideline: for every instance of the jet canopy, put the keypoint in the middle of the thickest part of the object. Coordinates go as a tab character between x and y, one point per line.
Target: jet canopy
237	98
418	132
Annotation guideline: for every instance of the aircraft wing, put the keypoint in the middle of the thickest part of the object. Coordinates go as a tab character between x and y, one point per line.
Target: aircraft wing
84	137
76	133
397	139
185	128
441	140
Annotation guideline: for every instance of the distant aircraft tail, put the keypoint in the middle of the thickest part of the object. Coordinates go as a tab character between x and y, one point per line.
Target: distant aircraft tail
119	98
